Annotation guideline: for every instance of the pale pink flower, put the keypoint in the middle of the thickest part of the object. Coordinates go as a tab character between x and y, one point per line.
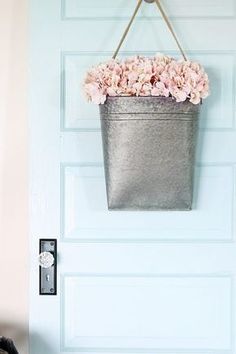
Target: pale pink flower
111	91
143	76
160	89
94	93
132	77
195	97
179	95
146	90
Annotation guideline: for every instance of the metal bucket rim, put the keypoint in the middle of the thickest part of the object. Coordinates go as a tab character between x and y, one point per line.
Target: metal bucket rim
161	98
147	108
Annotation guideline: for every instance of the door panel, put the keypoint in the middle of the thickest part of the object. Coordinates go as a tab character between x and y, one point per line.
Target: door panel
129	282
78	9
145	312
85	216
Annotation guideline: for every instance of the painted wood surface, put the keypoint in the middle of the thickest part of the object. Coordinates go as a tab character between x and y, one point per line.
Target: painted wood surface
129	282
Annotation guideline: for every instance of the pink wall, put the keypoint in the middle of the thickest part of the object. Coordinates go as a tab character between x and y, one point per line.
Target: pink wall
14	256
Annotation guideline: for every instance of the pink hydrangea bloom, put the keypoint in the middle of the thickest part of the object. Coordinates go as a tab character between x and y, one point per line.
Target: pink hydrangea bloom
160	89
147	76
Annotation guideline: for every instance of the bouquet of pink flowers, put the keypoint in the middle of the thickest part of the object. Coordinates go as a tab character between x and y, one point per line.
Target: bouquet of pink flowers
147	76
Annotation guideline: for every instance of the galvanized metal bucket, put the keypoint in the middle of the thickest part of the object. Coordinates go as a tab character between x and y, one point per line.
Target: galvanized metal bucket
149	148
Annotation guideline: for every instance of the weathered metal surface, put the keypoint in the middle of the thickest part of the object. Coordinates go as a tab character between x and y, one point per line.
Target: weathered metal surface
149	148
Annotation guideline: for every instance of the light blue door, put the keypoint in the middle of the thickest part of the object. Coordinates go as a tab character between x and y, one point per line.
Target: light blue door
129	282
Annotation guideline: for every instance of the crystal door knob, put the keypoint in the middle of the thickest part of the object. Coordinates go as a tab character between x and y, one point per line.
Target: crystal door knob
46	259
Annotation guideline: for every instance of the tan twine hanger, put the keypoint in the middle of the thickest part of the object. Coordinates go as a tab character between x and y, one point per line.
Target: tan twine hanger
158	3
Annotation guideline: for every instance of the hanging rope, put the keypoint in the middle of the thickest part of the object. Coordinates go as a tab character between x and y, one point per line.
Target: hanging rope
165	19
170	27
127	29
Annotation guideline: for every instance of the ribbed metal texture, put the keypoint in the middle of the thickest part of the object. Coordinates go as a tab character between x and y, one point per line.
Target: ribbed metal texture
149	148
